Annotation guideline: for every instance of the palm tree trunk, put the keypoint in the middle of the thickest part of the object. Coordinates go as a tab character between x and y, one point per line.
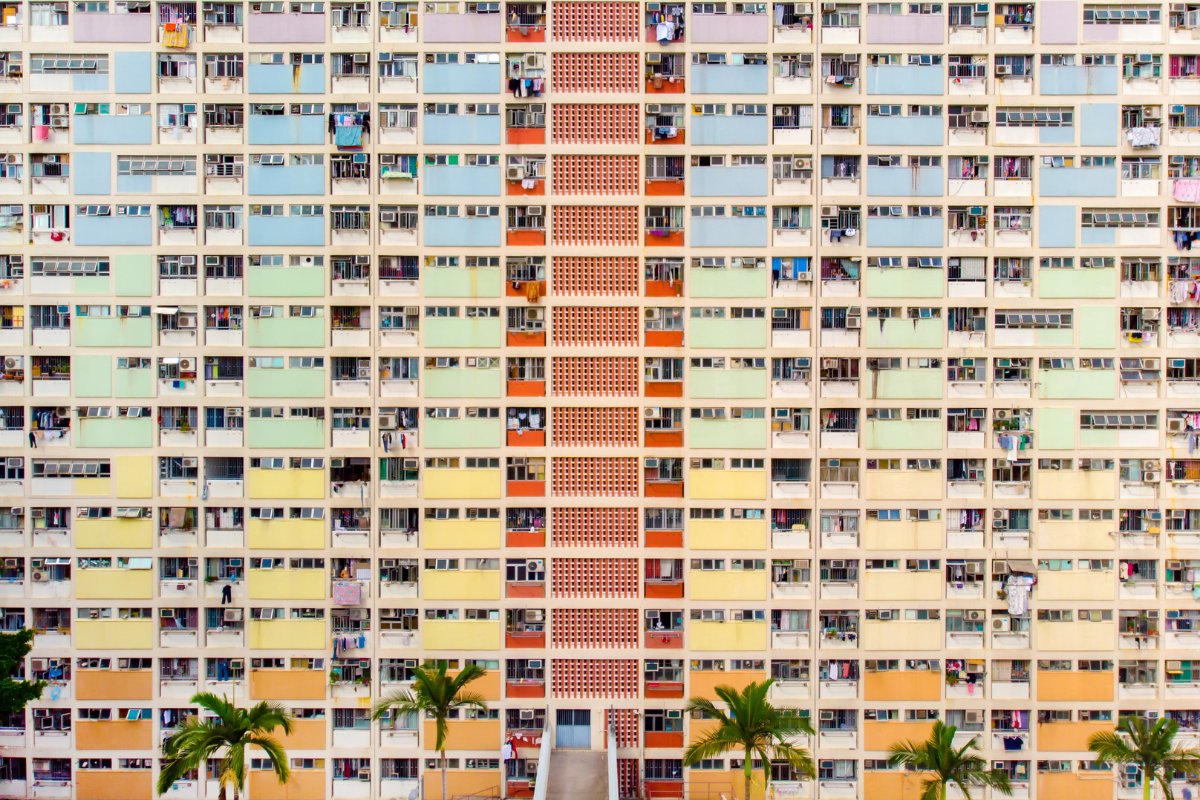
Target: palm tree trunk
443	763
749	766
1147	784
221	791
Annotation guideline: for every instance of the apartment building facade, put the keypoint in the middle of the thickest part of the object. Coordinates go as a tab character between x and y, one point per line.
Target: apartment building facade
628	349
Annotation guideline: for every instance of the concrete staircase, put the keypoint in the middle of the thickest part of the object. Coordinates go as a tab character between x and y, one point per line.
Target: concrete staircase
578	775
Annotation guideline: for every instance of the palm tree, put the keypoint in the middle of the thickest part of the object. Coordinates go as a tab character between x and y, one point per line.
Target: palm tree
752	725
945	764
435	693
226	734
1151	748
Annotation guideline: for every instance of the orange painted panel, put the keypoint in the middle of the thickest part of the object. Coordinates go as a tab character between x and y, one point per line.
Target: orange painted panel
664	86
103	684
467	734
526	488
664	538
703	683
525	135
515	689
664	338
906	685
672	188
662	388
526	35
304	784
1054	685
526	438
526	388
1068	736
113	785
663	690
116	734
287	684
882	735
522	238
664	289
463	783
515	189
666	239
679	137
525	589
521	289
307	734
488	686
891	784
664	640
664	438
525	539
664	490
526	339
659	591
1076	787
664	739
525	639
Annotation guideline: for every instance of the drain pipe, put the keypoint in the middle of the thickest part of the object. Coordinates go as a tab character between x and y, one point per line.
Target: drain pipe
542	782
614	789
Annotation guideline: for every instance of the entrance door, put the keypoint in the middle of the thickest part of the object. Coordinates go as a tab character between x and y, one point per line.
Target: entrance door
573	729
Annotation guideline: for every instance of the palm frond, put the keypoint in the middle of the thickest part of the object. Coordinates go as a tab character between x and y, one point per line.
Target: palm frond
275	754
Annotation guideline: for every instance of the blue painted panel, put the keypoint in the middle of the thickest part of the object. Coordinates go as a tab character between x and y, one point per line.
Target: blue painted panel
455	129
1099	124
730	78
133	184
729	130
286	180
302	231
906	79
728	231
133	72
286	129
285	79
905	130
1056	225
460	78
459	180
114	230
99	83
1082	182
1098	236
905	232
110	129
1077	80
1056	136
904	181
729	181
91	172
461	232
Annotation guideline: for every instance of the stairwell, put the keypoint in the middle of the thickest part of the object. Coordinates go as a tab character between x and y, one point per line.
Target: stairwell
578	775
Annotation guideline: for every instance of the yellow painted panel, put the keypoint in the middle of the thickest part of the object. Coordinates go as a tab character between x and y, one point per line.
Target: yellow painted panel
114	684
114	533
727	534
135	476
91	487
462	534
113	634
1068	736
113	784
1076	585
1076	485
706	784
891	784
882	735
304	784
1077	535
903	485
738	636
903	685
462	634
285	534
451	484
897	585
307	734
462	783
900	635
1076	787
114	734
1071	685
285	484
287	584
727	484
473	584
902	535
112	584
288	634
287	684
466	734
1078	635
703	683
727	584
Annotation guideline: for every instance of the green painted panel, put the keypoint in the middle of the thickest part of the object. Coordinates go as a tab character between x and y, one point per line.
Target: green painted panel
748	384
905	282
1054	337
133	274
1055	428
1077	384
134	383
114	332
285	332
285	382
1098	326
1054	283
920	334
905	384
463	282
91	284
1091	439
462	332
285	281
114	433
462	433
731	434
727	282
93	375
463	382
904	434
298	432
727	334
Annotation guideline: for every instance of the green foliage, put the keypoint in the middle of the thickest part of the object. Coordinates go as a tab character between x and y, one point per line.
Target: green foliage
945	764
16	694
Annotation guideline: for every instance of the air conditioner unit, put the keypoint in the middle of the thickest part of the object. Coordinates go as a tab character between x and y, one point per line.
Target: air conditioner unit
534	211
853	322
1001	624
525	713
187	364
979	118
1151	477
885	614
232	615
38	576
534	61
1145	58
974	615
535	565
829	211
850	58
999	524
654	58
826	716
515	173
1001	414
1002	70
652	412
1178	109
191	461
534	663
801	163
1174	425
361	58
18	362
1151	112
